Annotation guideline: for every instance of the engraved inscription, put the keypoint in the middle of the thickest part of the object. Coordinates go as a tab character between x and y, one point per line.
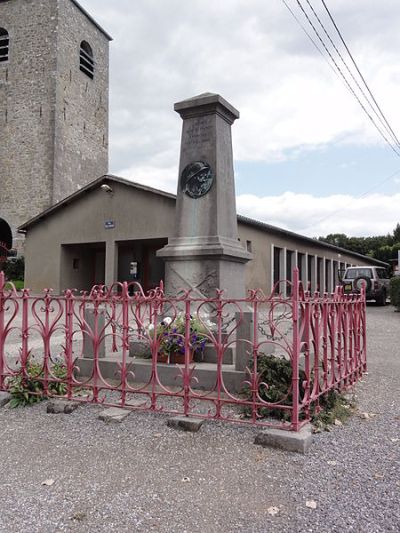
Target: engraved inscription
198	133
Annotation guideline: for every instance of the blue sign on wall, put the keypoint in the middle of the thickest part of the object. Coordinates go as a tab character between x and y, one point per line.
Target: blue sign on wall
109	224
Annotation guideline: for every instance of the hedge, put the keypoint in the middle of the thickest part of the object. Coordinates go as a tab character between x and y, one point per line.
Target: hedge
395	292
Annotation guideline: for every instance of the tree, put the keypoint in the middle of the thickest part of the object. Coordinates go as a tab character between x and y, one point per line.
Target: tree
382	247
396	234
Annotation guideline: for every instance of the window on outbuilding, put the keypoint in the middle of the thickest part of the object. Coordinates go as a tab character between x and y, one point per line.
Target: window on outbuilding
86	61
4	44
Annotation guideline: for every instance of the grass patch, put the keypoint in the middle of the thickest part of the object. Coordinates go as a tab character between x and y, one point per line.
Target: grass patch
19	284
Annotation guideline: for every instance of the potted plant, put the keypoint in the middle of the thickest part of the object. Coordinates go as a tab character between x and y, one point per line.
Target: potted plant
171	335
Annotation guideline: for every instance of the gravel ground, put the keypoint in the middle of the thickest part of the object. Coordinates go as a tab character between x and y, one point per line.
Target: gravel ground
143	476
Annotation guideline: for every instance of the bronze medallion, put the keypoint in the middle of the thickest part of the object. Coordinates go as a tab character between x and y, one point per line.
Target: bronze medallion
196	179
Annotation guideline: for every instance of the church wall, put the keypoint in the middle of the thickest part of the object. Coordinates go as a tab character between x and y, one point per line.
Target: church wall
81	125
53	118
27	103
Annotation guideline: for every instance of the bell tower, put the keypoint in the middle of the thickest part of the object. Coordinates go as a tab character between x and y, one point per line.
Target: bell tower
53	105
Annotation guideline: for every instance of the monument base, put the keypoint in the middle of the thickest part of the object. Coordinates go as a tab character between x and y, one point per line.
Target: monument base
203	275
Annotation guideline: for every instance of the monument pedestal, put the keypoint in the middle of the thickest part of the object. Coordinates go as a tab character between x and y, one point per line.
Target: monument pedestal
204	275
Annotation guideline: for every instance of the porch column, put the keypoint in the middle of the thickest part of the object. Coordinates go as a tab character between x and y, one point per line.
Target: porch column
282	271
314	274
111	263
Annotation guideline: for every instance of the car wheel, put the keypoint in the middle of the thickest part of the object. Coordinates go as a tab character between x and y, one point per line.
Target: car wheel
381	300
358	283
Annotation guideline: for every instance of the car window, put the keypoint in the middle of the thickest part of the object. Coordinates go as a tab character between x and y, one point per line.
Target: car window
353	273
381	273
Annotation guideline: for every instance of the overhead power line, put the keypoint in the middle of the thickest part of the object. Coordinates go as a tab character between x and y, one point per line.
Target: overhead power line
358	70
394	144
372	104
348	204
345	79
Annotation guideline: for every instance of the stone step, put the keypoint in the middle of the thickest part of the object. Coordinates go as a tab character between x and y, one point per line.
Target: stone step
169	375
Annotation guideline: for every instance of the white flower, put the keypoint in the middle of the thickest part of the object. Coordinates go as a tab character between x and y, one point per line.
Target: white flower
151	327
167	321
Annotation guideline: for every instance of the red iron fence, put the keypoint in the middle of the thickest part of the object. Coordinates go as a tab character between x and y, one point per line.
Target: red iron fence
214	357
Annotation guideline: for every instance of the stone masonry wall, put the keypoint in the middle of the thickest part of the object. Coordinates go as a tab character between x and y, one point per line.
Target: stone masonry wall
27	103
81	125
53	118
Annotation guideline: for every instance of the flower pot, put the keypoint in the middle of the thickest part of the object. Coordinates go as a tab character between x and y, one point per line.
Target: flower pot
162	357
178	358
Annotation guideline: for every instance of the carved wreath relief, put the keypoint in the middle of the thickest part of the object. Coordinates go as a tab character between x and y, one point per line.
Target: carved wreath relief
196	179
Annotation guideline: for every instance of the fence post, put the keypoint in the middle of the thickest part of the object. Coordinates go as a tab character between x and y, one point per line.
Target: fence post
25	333
125	341
296	350
68	351
363	312
2	340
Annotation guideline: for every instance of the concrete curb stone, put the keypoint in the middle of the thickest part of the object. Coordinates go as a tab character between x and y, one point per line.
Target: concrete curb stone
185	423
114	414
5	397
291	441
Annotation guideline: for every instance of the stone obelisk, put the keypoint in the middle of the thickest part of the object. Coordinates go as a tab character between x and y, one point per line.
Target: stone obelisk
205	253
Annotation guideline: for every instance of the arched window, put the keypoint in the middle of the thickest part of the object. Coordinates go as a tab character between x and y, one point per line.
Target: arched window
86	61
4	44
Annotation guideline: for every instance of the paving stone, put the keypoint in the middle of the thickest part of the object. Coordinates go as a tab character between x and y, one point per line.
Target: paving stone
61	406
136	403
291	441
5	397
114	414
185	423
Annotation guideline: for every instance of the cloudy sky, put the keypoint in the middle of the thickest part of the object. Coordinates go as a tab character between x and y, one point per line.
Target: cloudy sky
307	158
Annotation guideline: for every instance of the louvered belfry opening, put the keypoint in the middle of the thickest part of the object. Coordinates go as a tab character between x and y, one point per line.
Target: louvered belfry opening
4	44
86	61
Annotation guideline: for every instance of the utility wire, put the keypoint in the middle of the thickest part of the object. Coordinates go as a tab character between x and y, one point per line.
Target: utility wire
358	70
355	198
314	43
308	34
345	79
347	85
380	116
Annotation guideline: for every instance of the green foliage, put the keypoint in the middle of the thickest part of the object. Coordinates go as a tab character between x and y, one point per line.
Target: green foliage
276	373
396	233
27	389
14	268
18	284
395	292
332	406
381	247
171	334
58	388
387	253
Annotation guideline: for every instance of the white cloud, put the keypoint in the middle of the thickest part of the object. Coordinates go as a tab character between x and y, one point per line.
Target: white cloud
376	214
255	55
165	180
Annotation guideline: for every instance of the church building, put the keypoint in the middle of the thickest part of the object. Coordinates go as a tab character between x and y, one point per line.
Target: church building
53	107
